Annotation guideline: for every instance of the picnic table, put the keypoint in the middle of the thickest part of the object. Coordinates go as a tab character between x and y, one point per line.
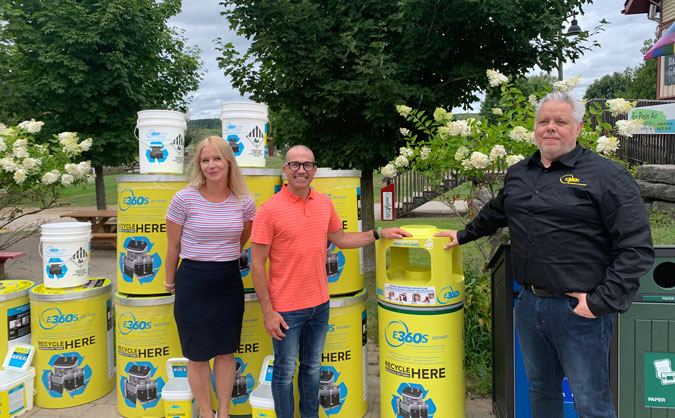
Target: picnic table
102	229
4	256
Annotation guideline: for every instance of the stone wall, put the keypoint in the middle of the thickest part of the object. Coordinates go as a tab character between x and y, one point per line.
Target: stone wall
657	185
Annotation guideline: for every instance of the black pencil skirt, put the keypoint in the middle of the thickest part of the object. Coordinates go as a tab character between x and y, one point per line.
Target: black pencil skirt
209	308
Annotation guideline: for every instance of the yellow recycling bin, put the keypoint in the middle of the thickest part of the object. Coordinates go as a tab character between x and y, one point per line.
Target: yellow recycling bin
420	272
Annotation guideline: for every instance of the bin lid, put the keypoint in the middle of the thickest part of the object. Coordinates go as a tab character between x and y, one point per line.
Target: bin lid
19	357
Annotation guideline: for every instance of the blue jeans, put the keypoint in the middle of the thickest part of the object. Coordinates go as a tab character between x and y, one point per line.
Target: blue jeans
556	342
306	336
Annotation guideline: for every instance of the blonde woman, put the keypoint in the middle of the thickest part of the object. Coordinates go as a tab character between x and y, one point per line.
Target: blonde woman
207	224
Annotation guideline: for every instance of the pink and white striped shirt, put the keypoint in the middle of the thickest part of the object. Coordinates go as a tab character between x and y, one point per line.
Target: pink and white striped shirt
211	231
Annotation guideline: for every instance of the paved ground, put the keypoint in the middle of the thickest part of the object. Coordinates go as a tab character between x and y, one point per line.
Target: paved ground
102	264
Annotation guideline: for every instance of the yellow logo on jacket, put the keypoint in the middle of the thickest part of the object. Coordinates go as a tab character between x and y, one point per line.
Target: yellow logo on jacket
571	180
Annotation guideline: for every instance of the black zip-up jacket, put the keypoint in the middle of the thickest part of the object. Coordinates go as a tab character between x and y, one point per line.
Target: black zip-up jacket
578	226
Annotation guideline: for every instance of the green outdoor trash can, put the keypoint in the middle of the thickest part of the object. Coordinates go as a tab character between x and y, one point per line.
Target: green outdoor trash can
647	343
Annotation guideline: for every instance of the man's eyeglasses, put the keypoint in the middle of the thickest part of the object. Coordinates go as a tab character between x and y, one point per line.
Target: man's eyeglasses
295	165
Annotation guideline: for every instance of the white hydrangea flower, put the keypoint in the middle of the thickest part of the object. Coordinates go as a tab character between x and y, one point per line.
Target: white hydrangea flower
403	110
519	133
401	161
20	152
3	129
91	178
404	132
84	168
8	165
620	106
424	153
21	143
479	160
467	164
389	171
461	153
628	127
441	115
3	146
30	163
50	178
406	152
497	152
20	176
532	100
67	136
568	84
607	145
72	170
69	142
512	159
459	127
497	111
31	126
86	144
67	179
496	78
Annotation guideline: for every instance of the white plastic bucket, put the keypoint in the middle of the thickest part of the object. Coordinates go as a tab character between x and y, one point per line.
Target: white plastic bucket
245	129
161	135
65	248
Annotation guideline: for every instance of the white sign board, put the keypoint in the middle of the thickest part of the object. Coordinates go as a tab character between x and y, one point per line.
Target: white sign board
659	119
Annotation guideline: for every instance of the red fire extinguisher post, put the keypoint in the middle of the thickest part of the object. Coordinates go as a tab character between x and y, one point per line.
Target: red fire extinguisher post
387	203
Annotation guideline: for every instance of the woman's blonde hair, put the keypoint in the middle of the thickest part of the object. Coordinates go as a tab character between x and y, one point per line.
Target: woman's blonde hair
235	180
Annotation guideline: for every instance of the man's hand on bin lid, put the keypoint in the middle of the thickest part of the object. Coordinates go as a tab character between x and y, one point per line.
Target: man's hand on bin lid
452	234
394	233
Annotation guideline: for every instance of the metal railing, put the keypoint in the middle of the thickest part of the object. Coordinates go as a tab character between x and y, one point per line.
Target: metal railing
413	189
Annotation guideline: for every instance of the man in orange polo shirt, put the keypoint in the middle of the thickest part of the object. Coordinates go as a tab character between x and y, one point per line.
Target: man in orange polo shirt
291	230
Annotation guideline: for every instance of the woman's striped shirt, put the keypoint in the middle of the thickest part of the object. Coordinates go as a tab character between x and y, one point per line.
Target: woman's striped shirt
211	231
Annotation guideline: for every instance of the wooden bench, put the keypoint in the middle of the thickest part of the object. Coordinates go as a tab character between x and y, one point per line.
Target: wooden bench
104	238
7	256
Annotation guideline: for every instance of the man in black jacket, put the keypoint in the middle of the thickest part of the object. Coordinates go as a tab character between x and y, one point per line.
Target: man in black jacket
580	241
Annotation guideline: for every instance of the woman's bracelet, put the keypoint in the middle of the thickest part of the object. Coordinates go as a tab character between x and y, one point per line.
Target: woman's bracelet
169	284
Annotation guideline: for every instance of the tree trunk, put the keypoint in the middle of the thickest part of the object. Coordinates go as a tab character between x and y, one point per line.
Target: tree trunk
100	189
367	216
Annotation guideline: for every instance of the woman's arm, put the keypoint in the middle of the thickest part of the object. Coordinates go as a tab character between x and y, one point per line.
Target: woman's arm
173	234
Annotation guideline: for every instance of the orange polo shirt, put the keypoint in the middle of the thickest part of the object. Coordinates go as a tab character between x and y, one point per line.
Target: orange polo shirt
297	233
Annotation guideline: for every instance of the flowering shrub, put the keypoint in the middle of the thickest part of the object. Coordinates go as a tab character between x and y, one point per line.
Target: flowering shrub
33	175
480	152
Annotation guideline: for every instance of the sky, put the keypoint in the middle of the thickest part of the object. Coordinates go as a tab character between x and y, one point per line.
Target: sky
620	48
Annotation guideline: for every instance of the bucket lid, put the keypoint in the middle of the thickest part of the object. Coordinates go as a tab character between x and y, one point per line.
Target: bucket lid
160	113
261	397
421	310
327	172
243	107
152	178
419	231
143	300
95	286
12	289
250	172
11	378
60	227
18	357
349	300
177	390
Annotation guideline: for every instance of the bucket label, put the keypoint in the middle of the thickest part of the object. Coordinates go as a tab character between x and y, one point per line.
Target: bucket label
421	362
71	358
68	261
248	139
411	295
69	375
181	409
343	385
13	401
161	147
18	323
146	339
344	268
141	235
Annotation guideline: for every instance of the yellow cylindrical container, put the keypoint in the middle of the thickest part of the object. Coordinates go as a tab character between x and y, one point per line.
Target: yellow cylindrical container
15	313
420	271
72	331
146	338
421	361
141	231
254	346
263	183
344	268
343	390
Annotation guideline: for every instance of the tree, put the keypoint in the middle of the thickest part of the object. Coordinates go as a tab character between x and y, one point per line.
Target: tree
334	70
526	85
633	83
88	66
608	86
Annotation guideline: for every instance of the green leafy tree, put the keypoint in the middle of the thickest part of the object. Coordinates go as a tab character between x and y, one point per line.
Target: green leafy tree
334	70
88	66
527	86
609	86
